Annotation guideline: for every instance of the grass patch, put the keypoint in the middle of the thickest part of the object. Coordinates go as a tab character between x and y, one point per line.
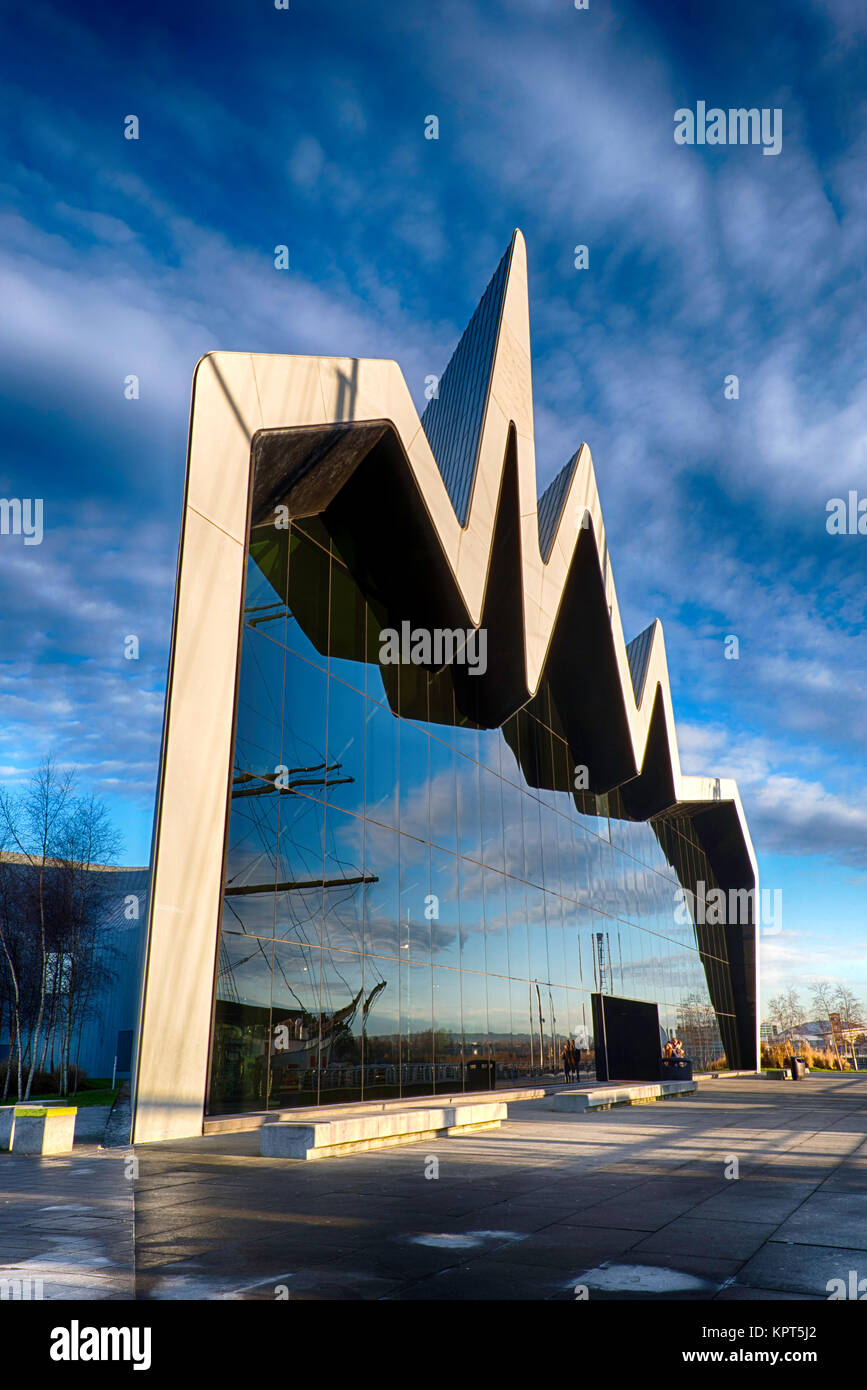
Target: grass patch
82	1099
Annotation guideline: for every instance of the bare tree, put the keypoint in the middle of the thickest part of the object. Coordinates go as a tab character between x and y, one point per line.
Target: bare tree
785	1012
88	838
824	999
32	823
849	1007
851	1012
777	1015
52	901
795	1009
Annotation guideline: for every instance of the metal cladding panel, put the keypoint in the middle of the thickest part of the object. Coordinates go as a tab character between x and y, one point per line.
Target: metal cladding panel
638	654
453	418
551	505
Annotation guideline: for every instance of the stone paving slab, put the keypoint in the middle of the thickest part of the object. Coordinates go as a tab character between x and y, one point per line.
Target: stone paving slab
635	1214
636	1201
68	1222
567	1247
801	1268
737	1293
829	1219
726	1239
756	1199
482	1281
558	1196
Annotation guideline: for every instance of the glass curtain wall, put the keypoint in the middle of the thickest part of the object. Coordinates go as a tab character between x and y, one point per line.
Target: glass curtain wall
402	906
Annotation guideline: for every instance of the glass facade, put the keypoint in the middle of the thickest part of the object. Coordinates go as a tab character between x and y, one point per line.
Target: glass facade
409	899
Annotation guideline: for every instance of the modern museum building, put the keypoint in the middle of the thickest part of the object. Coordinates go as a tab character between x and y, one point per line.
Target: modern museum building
420	811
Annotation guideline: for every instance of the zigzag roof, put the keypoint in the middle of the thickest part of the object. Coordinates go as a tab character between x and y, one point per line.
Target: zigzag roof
526	567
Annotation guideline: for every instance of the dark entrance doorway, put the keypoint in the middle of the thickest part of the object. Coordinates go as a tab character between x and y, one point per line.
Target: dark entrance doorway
627	1039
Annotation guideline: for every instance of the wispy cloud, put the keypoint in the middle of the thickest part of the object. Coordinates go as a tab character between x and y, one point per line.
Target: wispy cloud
124	257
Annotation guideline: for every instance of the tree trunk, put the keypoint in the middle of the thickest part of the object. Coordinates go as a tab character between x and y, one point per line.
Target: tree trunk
16	1014
67	1032
49	1029
13	1032
42	980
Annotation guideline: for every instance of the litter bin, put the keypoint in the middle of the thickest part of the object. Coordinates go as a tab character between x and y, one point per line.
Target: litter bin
797	1068
677	1069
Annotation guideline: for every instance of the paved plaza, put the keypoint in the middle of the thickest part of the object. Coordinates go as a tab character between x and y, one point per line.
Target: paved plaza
633	1202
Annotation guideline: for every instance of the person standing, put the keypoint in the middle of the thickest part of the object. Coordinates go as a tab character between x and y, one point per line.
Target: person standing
567	1062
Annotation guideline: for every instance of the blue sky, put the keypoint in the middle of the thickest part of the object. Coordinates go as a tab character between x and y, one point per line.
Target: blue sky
306	127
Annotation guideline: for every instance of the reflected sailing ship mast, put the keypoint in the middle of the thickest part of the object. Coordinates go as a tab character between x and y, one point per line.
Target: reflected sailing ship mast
603	952
296	1037
226	973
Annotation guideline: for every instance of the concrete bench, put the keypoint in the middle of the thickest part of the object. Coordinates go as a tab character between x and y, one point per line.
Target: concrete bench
605	1097
42	1129
356	1133
7	1124
7	1121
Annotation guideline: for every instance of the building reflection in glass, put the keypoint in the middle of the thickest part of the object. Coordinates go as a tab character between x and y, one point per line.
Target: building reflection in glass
402	905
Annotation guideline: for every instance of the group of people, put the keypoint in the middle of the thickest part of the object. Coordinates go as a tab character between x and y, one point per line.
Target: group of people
673	1048
571	1060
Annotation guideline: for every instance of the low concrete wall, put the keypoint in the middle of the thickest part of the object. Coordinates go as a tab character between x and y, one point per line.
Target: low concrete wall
328	1138
236	1124
605	1097
7	1118
42	1129
89	1125
7	1123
